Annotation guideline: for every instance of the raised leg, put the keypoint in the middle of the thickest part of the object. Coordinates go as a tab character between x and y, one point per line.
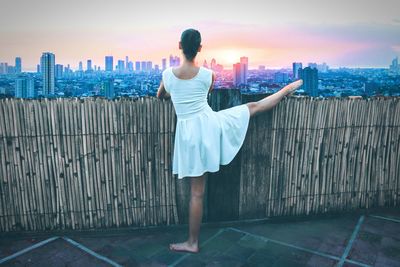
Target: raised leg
195	216
271	101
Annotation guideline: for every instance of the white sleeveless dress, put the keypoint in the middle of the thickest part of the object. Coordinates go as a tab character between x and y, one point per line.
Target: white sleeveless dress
204	139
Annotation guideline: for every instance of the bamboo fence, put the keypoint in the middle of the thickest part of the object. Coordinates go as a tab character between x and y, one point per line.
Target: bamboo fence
71	163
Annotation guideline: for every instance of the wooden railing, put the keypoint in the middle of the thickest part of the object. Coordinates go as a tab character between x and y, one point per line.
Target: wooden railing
95	163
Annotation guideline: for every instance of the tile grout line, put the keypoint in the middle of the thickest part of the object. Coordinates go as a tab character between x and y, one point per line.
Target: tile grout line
288	245
384	218
25	250
91	252
352	238
204	243
322	254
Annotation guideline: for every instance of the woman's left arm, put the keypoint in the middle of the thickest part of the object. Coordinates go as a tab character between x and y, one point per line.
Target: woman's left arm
162	93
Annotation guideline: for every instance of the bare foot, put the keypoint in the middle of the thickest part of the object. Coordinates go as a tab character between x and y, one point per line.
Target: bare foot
185	247
292	87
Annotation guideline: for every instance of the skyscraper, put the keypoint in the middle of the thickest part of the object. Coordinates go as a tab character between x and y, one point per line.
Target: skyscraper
143	66
47	63
108	87
80	66
310	80
18	66
121	66
312	65
394	67
164	63
59	71
89	65
25	87
237	74
244	62
149	66
137	65
296	67
109	63
130	66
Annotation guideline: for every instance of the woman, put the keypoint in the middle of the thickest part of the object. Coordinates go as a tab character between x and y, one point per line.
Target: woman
204	139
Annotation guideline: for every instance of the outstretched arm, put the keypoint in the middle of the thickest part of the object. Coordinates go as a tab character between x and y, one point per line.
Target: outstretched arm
162	93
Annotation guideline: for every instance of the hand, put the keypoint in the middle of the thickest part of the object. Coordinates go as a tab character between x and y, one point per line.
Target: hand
292	87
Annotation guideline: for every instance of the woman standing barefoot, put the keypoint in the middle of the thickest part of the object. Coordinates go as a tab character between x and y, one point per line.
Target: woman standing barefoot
204	139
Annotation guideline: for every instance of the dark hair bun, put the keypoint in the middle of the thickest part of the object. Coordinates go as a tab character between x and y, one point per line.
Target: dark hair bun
190	42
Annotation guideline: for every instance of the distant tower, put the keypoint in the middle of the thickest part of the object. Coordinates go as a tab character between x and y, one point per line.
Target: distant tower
18	66
149	66
296	67
59	71
244	62
237	74
89	65
109	63
80	66
394	67
121	66
137	65
108	87
47	63
310	80
164	63
143	66
312	65
126	62
25	87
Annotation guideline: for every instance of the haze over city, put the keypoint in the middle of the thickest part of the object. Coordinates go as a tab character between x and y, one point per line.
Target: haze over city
341	33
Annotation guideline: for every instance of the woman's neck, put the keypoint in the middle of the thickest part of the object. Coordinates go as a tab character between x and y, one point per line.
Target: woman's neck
188	63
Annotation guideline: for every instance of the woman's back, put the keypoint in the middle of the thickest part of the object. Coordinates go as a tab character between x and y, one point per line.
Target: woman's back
189	96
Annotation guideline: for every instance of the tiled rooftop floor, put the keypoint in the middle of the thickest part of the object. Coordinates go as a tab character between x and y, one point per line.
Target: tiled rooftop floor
349	239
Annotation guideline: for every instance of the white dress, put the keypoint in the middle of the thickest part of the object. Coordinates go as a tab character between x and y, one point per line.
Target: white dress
204	139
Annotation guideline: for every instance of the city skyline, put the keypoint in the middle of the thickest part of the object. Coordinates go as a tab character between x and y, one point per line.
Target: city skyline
343	34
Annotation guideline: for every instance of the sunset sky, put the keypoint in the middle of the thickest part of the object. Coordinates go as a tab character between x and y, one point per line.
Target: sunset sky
351	33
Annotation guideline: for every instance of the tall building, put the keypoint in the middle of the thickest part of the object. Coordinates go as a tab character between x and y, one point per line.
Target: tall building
3	68
109	63
149	66
310	80
47	63
394	67
126	62
130	66
312	65
143	66
25	87
89	65
164	63
322	68
59	71
296	67
80	66
38	68
18	65
174	61
281	77
137	65
121	66
108	87
237	75
244	62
